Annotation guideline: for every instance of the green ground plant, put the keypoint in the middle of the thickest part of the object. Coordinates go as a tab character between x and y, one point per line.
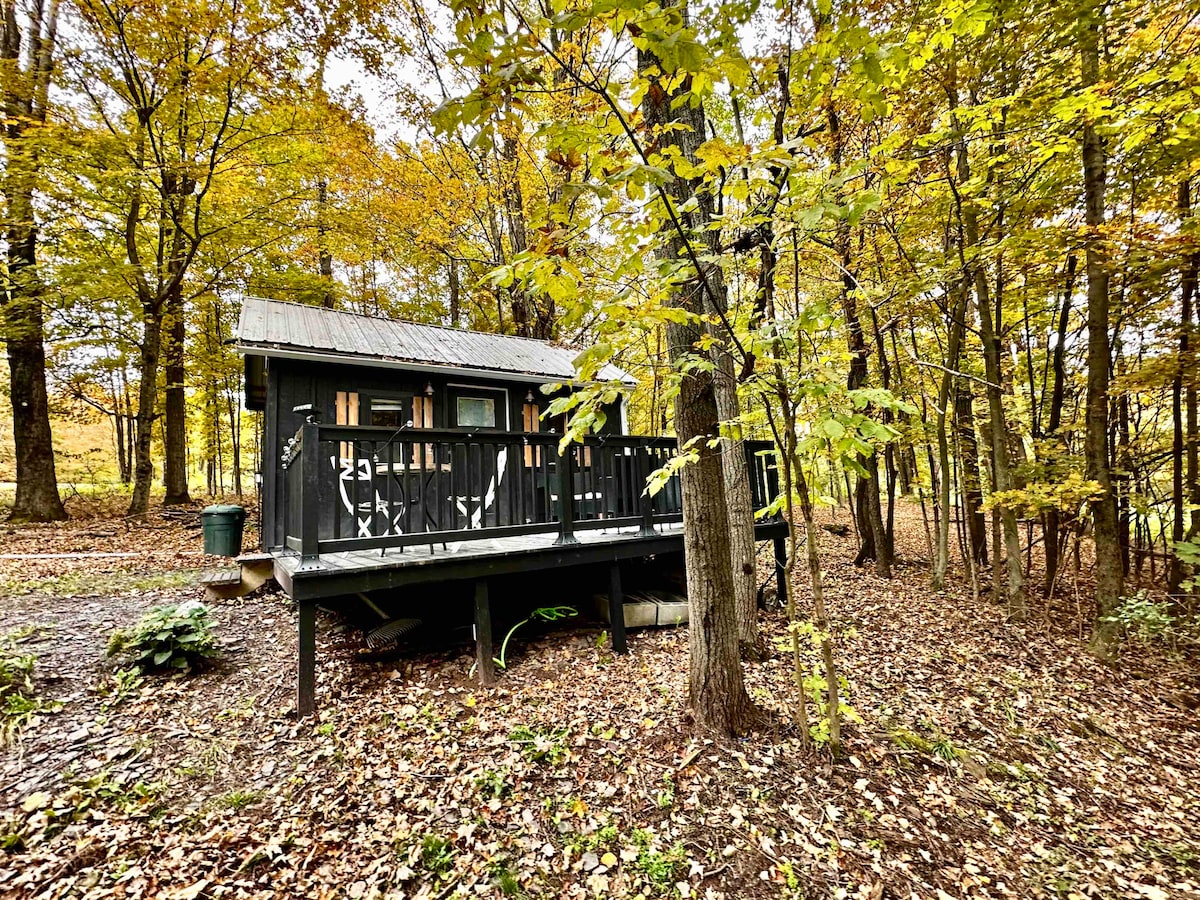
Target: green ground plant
19	702
1146	621
175	637
541	745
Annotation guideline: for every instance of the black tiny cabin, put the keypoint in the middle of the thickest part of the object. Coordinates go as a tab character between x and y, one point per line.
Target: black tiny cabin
339	368
397	454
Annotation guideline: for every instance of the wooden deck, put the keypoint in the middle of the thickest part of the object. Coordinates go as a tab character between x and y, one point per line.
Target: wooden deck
373	508
377	569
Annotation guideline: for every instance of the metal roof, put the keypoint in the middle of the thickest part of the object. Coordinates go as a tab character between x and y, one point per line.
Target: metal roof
282	328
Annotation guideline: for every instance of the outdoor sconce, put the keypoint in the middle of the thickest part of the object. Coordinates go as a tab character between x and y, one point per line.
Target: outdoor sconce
529	398
312	415
429	389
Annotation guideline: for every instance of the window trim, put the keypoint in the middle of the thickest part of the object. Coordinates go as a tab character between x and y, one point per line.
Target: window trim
472	392
403	402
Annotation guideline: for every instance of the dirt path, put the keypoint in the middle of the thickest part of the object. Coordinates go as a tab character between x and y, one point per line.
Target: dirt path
991	760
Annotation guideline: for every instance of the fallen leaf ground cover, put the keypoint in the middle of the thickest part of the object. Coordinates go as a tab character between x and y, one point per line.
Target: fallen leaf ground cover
992	760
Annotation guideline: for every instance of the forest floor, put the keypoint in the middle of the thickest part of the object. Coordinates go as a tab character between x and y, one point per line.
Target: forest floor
990	759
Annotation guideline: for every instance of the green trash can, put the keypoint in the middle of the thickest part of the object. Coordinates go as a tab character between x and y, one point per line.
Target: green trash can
223	529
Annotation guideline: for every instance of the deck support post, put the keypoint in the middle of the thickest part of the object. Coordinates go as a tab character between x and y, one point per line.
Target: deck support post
310	497
483	634
566	498
306	689
645	501
781	592
616	608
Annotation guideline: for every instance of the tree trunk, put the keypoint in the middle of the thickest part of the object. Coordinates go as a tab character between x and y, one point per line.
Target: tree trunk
37	498
1183	450
869	511
324	256
455	291
1192	486
1110	576
941	561
25	97
972	487
524	309
990	337
733	463
175	476
1051	526
717	693
148	356
150	349
119	423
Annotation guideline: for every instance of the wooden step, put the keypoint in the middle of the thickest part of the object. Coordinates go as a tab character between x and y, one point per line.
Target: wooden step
252	572
221	577
250	558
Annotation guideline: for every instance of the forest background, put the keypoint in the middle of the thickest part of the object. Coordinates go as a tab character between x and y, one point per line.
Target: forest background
954	241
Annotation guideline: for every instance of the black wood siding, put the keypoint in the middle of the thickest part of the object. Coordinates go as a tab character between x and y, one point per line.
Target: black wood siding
292	383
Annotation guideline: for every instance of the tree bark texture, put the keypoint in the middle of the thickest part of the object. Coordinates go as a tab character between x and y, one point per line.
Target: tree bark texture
25	97
733	460
1051	522
1182	384
175	473
972	486
717	693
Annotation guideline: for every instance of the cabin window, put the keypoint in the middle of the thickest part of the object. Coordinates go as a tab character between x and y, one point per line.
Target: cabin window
403	412
389	413
476	412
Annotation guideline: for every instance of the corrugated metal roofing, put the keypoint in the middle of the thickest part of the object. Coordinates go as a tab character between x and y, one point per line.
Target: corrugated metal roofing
278	325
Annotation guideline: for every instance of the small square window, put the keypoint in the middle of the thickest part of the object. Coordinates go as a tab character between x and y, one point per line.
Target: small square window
476	412
390	413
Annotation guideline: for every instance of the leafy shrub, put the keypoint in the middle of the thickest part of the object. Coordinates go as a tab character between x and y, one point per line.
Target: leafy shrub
173	637
1189	554
18	702
1139	616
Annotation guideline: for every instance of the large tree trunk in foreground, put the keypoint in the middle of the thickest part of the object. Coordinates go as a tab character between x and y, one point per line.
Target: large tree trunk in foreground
1110	576
740	510
25	96
37	498
717	693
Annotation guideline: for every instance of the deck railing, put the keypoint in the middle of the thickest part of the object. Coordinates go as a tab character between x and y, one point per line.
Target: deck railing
357	488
